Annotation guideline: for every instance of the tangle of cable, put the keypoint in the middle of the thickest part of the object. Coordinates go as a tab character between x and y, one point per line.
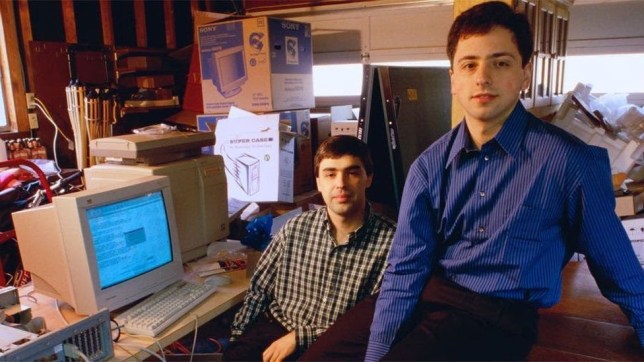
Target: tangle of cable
194	340
40	105
151	352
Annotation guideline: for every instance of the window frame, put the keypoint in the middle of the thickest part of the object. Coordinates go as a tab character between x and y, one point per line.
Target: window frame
13	83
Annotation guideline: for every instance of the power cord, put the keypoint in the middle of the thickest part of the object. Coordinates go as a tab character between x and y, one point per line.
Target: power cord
40	105
115	327
72	351
151	352
122	345
194	340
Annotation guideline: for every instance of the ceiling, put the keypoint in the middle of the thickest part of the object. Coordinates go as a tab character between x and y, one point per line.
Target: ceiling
585	2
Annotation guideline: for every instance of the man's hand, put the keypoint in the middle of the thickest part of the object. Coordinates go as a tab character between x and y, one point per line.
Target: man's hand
281	348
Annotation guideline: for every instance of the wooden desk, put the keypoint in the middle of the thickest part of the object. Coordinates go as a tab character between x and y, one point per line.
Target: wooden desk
584	325
131	347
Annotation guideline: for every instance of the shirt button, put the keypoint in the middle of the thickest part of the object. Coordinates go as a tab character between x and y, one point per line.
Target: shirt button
486	158
324	300
481	229
482	193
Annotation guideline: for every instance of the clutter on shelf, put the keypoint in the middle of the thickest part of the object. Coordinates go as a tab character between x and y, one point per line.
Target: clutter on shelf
26	148
609	121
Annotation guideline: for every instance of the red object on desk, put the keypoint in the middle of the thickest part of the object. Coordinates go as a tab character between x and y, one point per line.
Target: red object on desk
11	234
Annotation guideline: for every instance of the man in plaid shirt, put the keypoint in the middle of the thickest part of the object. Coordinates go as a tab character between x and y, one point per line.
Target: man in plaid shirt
319	265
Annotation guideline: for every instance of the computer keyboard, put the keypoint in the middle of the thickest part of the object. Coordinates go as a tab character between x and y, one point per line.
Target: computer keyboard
154	314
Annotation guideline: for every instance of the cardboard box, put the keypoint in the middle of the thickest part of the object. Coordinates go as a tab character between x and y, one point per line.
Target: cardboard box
320	129
349	127
260	64
300	122
303	178
259	157
208	123
343	113
344	121
630	204
634	227
192	98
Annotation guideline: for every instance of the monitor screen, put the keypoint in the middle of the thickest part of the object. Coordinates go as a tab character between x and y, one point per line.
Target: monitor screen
131	237
229	70
232	66
199	195
105	247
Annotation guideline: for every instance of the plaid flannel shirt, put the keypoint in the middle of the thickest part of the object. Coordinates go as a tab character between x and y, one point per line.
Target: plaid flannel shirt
306	281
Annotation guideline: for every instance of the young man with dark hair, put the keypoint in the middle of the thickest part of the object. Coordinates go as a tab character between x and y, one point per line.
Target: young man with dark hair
320	264
490	215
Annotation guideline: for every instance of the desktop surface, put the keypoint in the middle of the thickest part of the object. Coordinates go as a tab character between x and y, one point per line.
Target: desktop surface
128	347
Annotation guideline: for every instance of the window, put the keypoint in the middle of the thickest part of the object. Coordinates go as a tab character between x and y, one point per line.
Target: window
341	84
337	80
13	116
614	73
4	122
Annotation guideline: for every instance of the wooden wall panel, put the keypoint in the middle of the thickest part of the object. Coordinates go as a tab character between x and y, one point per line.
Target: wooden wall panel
15	102
49	67
69	20
168	12
27	36
265	5
107	23
140	24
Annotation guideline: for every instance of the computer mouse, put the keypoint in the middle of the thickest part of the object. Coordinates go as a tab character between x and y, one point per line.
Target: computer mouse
217	280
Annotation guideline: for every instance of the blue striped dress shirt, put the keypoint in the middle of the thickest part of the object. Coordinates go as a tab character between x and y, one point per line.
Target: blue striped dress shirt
504	220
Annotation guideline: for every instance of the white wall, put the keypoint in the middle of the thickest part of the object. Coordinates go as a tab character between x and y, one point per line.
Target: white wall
405	31
408	30
606	27
397	30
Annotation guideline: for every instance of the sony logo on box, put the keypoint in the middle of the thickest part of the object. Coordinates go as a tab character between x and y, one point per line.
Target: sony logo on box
259	64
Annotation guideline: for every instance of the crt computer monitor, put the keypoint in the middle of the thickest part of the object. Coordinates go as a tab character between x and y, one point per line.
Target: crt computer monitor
102	248
229	70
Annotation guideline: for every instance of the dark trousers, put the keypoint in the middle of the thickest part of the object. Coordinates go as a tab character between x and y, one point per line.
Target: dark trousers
257	337
449	323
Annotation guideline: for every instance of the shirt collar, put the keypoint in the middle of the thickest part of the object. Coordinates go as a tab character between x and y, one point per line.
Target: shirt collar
509	138
511	134
360	231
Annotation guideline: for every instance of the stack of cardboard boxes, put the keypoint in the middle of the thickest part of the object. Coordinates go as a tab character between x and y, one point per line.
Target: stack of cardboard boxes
257	90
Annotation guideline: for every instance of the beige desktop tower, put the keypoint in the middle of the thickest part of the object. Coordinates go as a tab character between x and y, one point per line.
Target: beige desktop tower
199	193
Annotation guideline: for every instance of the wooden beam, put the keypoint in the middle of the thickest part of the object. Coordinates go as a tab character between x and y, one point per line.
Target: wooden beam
13	81
168	14
27	36
194	7
107	22
140	25
69	21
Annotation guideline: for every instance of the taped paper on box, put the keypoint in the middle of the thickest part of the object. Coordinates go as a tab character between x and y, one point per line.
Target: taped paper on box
258	156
